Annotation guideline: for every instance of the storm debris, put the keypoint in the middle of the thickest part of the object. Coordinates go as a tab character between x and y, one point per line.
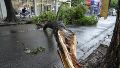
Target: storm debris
34	50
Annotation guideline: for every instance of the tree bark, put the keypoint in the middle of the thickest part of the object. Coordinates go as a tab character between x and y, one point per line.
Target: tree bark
112	58
10	12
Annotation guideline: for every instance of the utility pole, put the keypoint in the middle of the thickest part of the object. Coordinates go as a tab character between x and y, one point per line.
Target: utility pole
56	6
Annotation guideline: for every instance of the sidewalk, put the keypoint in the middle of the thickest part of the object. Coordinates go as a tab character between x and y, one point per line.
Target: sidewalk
90	37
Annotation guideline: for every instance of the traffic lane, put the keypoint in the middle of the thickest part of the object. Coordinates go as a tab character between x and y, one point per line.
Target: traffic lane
12	53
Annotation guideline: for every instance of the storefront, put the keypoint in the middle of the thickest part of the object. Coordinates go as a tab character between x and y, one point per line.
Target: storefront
43	5
37	6
20	4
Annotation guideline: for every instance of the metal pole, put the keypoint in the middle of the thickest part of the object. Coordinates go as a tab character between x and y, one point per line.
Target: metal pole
34	6
70	3
1	11
56	6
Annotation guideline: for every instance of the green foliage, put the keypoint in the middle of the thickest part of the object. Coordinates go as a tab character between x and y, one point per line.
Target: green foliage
69	15
34	50
88	20
66	14
45	16
37	50
35	19
113	3
75	2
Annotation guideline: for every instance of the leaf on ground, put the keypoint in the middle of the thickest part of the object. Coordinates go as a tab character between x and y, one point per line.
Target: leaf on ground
34	50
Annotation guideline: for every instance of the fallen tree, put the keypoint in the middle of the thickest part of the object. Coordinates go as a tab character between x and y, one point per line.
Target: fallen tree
67	42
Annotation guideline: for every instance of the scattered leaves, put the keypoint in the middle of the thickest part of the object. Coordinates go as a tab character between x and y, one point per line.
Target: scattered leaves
34	50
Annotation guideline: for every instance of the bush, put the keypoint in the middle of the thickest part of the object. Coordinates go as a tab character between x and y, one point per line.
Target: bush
66	14
75	2
78	14
45	16
87	20
113	3
35	19
71	14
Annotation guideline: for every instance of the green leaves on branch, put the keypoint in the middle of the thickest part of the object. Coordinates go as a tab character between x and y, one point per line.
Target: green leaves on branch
45	16
69	15
75	2
113	3
76	15
34	50
87	20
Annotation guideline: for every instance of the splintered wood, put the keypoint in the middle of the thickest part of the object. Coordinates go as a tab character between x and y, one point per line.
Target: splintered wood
67	42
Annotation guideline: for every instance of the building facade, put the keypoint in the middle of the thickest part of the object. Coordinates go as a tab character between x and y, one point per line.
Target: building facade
38	5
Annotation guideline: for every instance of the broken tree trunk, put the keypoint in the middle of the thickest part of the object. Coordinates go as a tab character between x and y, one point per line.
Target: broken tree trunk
67	42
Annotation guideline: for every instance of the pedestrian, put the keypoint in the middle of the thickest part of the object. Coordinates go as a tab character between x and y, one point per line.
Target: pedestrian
32	10
23	12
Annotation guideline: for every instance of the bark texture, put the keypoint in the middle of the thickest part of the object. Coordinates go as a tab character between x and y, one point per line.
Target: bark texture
10	12
112	58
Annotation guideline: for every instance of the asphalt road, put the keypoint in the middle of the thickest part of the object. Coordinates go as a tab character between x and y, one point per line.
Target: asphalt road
15	39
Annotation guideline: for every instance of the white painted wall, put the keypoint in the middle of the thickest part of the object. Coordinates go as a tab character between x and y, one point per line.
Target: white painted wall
3	12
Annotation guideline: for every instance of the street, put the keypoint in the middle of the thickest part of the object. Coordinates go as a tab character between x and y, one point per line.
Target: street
14	39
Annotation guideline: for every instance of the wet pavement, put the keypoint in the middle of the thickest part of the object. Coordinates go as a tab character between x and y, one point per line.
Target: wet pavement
15	39
90	37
